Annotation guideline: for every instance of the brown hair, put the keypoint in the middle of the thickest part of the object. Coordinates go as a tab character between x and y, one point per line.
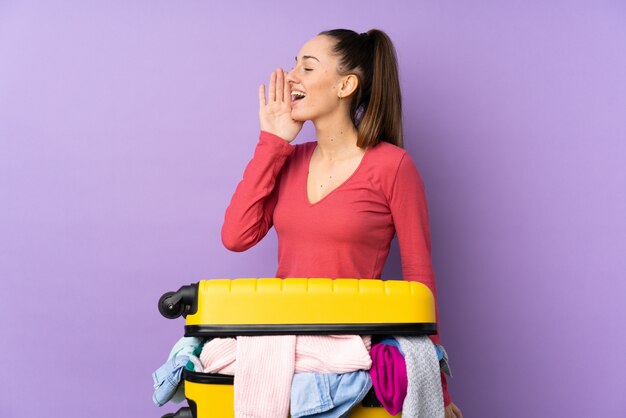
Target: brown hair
376	107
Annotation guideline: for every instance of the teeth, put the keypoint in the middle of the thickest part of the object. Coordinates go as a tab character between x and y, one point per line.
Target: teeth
298	94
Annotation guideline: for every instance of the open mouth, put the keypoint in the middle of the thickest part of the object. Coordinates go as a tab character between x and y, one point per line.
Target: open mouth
297	95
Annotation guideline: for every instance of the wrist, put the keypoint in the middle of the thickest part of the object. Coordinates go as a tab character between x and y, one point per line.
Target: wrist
286	136
275	135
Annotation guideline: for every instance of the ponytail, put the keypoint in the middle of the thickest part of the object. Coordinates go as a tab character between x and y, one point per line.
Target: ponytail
376	107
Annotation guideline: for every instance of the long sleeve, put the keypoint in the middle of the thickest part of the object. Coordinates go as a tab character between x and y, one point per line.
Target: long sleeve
248	217
410	216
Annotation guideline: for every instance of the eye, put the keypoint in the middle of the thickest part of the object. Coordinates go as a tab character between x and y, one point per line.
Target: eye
308	69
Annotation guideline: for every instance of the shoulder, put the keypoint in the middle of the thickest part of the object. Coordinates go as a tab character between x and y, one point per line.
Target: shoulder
395	169
390	158
388	150
300	154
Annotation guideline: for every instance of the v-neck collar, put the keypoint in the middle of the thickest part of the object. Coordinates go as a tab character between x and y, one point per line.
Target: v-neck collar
308	169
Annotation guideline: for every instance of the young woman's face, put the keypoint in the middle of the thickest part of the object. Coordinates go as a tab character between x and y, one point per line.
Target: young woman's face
314	80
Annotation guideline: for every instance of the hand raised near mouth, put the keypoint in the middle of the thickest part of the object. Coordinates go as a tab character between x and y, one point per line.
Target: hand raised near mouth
275	115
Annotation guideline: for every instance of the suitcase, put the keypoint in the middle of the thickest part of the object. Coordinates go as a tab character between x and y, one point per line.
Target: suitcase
271	306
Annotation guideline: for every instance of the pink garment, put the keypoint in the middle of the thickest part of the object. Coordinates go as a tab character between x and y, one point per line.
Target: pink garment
263	366
219	356
332	353
314	353
263	376
389	377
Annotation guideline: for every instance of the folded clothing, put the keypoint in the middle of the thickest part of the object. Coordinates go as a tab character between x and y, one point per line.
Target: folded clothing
264	366
314	353
168	385
263	376
424	391
318	395
167	379
389	376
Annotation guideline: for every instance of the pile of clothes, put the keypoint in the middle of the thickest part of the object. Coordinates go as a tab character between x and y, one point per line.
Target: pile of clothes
313	375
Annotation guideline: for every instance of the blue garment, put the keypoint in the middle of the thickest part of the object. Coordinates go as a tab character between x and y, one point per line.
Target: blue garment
444	362
320	395
194	364
167	378
185	350
185	347
439	352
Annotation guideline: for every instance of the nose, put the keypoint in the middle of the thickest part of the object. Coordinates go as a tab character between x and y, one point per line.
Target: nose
290	78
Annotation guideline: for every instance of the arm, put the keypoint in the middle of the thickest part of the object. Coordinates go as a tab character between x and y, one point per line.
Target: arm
410	216
248	217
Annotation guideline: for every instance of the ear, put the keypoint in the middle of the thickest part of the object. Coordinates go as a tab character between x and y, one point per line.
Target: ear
348	86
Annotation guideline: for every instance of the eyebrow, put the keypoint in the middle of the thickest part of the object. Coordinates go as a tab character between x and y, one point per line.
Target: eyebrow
304	57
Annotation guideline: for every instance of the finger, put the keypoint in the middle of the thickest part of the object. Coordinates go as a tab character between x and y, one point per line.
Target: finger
261	96
280	82
272	90
457	411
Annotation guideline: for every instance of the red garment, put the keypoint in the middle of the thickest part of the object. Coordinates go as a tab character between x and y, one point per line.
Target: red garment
348	233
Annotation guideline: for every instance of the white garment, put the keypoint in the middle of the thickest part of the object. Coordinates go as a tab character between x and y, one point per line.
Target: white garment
424	398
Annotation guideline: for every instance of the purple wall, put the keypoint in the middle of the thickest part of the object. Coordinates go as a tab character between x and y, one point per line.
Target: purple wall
125	126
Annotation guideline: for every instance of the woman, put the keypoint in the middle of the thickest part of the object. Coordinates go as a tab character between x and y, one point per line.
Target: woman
337	202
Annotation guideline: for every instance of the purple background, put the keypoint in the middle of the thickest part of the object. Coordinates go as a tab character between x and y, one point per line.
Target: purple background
125	127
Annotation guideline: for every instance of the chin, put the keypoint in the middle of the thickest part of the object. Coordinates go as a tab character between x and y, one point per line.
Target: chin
299	116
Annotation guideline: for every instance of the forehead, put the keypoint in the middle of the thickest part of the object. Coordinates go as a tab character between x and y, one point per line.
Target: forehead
320	47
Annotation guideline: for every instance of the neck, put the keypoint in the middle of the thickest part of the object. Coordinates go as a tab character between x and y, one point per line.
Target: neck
336	137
